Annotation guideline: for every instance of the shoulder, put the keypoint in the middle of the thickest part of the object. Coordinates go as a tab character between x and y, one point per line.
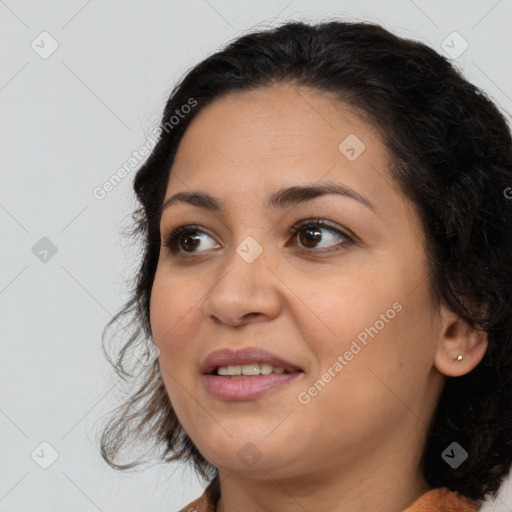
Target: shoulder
202	504
207	502
442	499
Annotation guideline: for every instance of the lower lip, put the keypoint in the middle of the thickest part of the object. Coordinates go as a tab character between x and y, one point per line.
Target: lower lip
238	389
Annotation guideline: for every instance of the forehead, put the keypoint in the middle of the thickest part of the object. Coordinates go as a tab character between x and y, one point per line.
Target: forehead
279	120
250	143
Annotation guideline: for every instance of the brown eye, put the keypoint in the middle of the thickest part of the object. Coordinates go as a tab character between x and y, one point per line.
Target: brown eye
189	242
313	232
187	239
309	237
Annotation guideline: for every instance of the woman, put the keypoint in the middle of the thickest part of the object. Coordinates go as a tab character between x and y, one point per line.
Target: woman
326	278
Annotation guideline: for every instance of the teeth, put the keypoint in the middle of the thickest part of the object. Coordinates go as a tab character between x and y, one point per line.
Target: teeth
248	369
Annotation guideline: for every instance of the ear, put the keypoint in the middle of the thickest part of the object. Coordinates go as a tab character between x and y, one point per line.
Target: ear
458	338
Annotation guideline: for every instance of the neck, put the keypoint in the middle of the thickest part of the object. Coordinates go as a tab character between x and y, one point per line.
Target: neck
387	480
278	497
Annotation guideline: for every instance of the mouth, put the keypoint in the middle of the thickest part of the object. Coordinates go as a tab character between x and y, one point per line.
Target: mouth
246	374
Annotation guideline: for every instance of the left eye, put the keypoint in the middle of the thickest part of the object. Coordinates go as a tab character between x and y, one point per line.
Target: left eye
310	234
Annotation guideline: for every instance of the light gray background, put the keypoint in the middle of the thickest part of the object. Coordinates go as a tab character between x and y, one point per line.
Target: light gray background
67	123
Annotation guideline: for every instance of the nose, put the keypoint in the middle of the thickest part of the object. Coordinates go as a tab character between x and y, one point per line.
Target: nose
243	292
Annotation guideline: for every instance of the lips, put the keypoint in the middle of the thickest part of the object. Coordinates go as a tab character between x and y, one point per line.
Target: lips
230	357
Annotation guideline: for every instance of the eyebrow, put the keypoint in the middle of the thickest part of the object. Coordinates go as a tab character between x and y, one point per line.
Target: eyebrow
281	199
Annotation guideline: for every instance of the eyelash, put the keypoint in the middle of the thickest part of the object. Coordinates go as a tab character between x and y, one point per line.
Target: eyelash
172	240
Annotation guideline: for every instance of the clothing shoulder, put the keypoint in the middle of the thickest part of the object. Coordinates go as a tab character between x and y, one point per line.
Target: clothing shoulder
207	502
443	500
435	500
199	505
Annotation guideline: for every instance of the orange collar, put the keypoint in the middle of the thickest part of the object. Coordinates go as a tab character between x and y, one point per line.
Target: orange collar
442	499
437	500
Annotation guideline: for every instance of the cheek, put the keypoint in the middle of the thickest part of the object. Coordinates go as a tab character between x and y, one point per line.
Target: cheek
375	323
342	305
175	315
175	308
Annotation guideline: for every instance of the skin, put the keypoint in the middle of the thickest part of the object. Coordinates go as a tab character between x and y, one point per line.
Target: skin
357	444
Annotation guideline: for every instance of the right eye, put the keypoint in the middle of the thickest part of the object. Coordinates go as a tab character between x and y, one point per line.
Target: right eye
186	239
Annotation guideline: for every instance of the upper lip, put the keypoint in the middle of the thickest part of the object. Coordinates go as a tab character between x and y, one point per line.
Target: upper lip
248	355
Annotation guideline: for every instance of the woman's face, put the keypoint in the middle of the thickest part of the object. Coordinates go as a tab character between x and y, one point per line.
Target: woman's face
347	303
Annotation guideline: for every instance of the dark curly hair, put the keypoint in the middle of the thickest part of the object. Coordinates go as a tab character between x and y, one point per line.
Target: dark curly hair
451	154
